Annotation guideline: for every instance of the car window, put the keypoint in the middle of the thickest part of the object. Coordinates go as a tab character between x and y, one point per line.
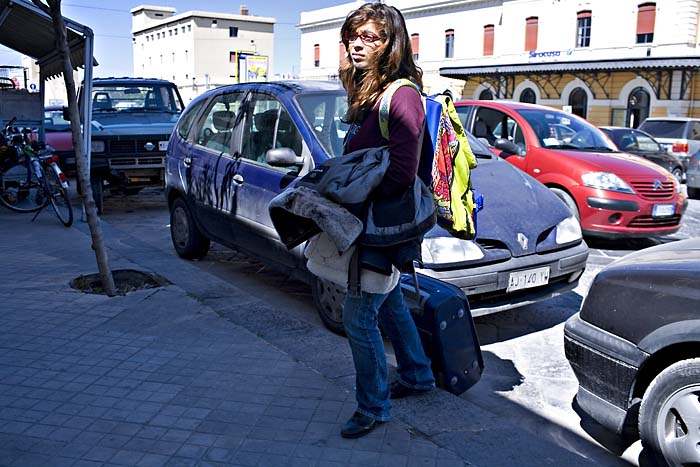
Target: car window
184	124
694	131
216	128
664	128
268	125
324	113
560	130
53	121
646	143
491	124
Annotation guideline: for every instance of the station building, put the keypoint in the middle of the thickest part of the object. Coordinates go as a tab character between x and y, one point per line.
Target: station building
613	62
200	50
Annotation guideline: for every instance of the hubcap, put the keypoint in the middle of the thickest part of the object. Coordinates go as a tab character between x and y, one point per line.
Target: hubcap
180	229
678	427
331	298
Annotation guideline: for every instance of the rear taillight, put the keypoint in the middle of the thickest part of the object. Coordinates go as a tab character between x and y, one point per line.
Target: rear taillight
680	147
51	159
63	178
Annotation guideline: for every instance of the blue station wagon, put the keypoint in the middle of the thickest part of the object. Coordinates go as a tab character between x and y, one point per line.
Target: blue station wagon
236	147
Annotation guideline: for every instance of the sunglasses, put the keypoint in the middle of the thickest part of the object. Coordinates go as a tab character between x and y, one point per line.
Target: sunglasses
367	38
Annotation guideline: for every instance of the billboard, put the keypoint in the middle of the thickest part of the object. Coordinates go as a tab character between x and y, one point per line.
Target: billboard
252	68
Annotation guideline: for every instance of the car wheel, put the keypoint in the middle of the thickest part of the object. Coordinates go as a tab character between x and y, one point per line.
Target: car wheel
694	193
188	240
568	200
678	173
669	416
328	299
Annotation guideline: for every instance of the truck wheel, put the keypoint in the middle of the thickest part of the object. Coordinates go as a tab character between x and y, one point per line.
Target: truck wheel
694	193
669	414
328	299
97	193
188	240
568	200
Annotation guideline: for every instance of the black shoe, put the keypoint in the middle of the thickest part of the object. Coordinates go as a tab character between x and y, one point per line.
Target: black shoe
399	391
358	425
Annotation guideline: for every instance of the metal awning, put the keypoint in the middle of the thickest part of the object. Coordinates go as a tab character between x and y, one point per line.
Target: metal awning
573	67
28	30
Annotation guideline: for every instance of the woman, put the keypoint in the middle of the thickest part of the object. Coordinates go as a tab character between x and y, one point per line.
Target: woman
378	53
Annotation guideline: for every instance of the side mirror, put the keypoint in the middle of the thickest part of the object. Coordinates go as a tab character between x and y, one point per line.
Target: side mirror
66	114
508	147
283	157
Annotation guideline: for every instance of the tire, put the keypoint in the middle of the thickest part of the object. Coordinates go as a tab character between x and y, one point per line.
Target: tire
678	173
188	240
568	200
18	195
328	299
97	193
694	193
58	197
669	414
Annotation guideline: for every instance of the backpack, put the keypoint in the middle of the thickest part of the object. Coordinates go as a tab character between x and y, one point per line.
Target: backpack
446	161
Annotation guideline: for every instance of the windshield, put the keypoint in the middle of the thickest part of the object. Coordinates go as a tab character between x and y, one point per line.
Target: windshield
324	112
664	128
135	98
559	130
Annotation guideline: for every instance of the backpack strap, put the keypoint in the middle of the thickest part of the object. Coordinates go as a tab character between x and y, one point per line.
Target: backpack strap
385	103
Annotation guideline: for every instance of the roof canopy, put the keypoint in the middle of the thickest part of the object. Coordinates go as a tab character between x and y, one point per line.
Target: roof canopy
28	30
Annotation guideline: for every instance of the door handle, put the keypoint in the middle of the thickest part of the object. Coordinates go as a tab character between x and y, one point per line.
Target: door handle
187	161
238	179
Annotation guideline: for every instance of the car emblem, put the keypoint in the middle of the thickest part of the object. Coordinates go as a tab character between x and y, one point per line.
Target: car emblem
149	146
658	185
522	239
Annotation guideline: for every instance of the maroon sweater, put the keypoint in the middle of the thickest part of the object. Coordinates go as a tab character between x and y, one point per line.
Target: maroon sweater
406	119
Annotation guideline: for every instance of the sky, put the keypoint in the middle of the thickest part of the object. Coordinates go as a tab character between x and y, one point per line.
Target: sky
110	20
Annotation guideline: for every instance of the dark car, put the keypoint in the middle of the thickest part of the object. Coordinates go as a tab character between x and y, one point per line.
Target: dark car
635	347
238	146
644	145
614	195
132	122
678	135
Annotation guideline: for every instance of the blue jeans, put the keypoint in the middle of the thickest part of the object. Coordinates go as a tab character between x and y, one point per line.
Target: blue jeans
360	319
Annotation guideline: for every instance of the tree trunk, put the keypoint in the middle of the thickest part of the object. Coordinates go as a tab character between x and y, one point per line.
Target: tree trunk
98	244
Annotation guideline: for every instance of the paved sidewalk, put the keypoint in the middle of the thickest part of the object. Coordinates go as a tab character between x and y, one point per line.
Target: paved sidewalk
174	376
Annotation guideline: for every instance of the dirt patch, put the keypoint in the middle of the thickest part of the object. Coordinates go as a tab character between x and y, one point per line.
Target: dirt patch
125	281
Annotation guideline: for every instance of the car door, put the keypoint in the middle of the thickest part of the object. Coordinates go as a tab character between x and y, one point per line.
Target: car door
491	124
266	124
212	167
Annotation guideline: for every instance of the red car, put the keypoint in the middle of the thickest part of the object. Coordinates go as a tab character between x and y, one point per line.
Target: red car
613	194
59	137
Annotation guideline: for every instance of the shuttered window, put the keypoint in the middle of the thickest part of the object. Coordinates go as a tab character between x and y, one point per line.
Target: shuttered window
415	45
317	55
531	26
449	43
646	17
488	39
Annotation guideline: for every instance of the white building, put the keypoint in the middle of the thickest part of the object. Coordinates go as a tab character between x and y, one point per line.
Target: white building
200	50
614	62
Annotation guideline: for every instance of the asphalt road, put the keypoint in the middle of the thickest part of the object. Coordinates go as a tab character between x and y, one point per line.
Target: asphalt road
526	382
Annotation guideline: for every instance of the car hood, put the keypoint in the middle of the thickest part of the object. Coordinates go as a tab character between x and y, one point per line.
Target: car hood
514	203
620	163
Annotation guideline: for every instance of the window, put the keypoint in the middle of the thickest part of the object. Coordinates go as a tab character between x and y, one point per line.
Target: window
583	29
170	32
183	29
267	125
175	31
173	57
342	52
449	43
414	45
148	38
232	57
217	127
158	35
214	23
491	124
488	39
578	100
189	27
646	17
529	96
232	31
317	55
637	107
486	95
531	28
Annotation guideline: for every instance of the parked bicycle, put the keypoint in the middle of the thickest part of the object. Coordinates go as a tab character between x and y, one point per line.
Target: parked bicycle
30	178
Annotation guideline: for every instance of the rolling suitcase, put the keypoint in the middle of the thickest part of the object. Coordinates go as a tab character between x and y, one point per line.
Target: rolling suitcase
446	328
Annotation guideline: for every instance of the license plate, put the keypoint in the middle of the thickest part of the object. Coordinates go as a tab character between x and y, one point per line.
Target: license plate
529	278
663	210
162	145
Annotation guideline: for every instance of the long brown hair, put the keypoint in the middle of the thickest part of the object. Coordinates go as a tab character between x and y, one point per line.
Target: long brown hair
394	58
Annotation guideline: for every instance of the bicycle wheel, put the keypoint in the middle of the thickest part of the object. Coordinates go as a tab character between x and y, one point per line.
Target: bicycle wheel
20	192
58	197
